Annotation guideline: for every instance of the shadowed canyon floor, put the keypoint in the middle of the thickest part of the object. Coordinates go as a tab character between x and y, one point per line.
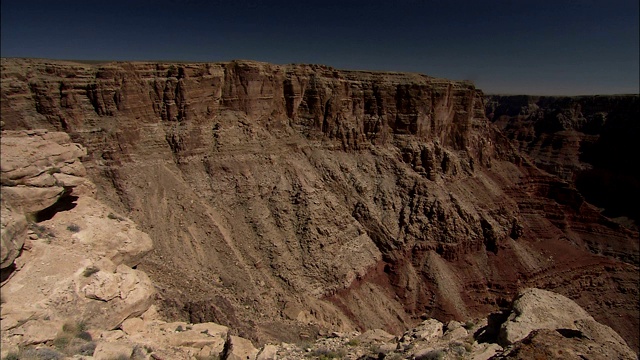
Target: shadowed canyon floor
283	200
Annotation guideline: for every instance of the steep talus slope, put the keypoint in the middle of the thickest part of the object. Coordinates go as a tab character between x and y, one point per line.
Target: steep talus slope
300	196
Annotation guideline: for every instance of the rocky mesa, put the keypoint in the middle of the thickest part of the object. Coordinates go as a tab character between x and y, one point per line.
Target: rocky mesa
287	200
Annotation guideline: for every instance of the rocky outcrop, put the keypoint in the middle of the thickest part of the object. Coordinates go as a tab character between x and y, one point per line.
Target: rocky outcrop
72	259
14	232
305	197
37	169
543	323
536	309
148	337
561	344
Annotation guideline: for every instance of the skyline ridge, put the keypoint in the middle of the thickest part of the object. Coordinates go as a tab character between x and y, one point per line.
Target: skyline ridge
543	47
93	62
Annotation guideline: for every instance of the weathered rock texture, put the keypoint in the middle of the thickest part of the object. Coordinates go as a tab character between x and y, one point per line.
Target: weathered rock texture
549	325
536	309
147	337
72	260
37	168
304	197
586	140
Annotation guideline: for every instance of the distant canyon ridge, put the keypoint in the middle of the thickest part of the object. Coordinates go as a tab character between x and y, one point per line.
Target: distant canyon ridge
287	200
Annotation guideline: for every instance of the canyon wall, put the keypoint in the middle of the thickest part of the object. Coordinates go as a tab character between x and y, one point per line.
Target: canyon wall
286	199
586	140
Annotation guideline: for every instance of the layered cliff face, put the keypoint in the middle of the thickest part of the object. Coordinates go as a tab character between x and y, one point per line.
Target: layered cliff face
586	140
303	197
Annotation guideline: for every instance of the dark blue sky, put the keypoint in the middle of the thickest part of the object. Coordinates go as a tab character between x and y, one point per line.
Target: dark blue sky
518	46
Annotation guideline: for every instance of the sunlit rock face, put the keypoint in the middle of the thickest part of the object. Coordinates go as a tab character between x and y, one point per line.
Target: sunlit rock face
66	257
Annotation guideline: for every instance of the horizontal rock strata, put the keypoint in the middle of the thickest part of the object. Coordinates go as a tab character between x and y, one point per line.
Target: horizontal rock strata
305	197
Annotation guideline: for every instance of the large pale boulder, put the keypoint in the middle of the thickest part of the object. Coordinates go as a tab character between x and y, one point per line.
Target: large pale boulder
486	351
29	153
455	334
268	352
133	326
121	295
558	327
375	335
39	331
429	329
105	286
535	309
157	339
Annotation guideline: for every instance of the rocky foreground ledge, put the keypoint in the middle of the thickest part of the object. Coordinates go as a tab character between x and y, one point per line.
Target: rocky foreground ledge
70	288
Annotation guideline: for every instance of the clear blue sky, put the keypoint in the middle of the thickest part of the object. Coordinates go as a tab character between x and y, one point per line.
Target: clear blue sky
518	46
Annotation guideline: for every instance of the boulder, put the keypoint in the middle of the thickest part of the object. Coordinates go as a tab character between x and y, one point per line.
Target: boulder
456	333
81	186
268	352
104	286
486	351
211	329
38	167
112	350
38	331
197	339
29	153
535	309
543	322
133	325
452	325
237	348
129	292
429	329
563	344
